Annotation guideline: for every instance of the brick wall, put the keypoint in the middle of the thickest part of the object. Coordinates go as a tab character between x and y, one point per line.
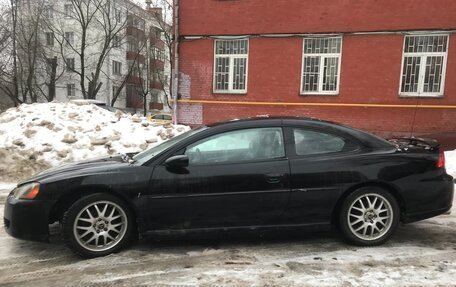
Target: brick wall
234	17
370	64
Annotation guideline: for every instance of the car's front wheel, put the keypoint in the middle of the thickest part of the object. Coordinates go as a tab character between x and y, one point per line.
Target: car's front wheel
369	216
97	225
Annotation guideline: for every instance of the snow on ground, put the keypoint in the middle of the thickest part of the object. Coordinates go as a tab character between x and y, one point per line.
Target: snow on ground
450	162
38	136
7	185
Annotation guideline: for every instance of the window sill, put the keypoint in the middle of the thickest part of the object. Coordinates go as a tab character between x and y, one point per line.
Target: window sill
318	94
243	93
433	96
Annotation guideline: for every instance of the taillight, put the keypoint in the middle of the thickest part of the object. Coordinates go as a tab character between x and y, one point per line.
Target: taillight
441	161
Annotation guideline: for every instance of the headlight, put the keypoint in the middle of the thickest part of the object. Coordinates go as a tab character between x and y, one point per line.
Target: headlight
26	191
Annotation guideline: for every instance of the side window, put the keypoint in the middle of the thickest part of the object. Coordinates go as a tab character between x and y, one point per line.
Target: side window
309	142
238	146
166	117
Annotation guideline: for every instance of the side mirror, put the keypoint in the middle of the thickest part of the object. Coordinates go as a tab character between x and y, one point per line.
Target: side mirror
177	161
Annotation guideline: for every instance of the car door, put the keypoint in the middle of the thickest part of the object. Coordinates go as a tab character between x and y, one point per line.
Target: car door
234	178
321	163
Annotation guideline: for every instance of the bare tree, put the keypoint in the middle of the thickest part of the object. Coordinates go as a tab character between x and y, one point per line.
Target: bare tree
8	67
163	16
20	50
29	48
94	26
122	82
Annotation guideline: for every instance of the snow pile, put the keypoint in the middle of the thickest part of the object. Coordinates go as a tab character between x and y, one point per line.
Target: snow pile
450	162
37	136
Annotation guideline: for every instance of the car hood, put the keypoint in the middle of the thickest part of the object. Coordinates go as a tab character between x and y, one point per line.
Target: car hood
92	166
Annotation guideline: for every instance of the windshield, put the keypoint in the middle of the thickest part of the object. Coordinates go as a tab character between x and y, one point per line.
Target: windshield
146	155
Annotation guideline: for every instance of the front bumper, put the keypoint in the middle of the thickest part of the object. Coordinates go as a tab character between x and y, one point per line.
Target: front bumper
27	219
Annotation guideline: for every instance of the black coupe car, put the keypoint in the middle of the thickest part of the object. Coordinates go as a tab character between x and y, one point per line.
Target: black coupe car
239	175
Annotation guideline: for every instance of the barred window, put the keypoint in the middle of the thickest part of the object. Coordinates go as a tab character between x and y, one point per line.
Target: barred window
230	66
321	65
424	65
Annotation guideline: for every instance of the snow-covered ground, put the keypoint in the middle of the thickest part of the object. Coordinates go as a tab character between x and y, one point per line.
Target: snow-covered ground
450	162
38	136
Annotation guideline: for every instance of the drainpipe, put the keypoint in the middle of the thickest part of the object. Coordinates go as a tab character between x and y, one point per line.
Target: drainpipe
176	59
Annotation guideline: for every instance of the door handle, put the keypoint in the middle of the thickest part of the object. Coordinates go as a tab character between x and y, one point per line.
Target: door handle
274	178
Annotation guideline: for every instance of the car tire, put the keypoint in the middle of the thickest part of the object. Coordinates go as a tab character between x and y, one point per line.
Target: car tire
97	225
369	216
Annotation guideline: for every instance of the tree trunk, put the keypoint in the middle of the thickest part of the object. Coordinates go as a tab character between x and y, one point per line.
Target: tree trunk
145	105
52	80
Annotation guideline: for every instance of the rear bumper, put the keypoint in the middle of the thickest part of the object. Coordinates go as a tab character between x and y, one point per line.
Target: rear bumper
27	219
424	215
436	202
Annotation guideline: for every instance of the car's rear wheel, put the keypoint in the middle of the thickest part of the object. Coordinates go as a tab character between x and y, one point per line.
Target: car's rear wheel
369	216
97	225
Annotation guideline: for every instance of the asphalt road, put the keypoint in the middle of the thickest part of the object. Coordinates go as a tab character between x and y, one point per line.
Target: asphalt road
422	253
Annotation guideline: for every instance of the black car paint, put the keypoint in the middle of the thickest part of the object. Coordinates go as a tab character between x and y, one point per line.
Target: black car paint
294	190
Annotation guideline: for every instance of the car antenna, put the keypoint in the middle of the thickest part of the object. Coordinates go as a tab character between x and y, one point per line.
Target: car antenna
414	117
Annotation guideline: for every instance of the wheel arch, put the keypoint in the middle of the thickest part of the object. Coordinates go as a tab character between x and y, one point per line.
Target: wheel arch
70	197
394	191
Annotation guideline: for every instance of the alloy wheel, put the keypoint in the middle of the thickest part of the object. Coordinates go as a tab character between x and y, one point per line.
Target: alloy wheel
100	226
370	216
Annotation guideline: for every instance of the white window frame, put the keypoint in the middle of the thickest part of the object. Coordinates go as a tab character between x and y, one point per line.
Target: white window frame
71	90
230	68
321	65
70	65
118	15
68	10
69	38
49	11
422	71
117	42
116	68
49	38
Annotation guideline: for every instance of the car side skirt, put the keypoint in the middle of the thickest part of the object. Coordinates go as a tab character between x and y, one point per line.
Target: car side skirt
234	229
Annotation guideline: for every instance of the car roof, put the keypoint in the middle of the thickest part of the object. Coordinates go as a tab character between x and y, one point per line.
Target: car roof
366	138
269	118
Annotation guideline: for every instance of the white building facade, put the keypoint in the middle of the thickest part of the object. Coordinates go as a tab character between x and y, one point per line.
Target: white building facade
132	68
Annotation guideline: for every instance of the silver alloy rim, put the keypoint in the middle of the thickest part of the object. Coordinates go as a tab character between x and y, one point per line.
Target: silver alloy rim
370	216
100	226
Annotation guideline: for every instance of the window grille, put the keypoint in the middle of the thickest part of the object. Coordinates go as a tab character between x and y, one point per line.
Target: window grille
230	66
424	65
321	65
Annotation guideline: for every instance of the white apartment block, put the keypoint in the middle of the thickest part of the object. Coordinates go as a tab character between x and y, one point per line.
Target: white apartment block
137	57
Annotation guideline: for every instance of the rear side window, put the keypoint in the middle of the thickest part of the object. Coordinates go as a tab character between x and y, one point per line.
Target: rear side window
238	146
166	117
308	142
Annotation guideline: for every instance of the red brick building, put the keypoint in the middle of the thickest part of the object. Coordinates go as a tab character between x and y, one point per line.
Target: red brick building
386	66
